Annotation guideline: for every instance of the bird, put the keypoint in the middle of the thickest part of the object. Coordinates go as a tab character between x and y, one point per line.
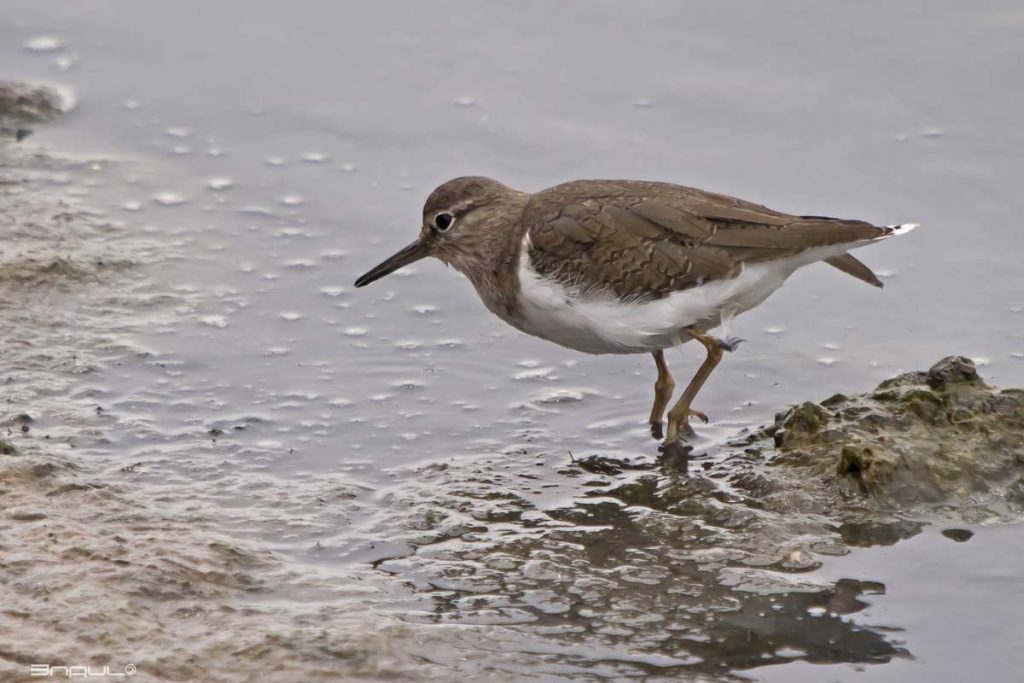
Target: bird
627	267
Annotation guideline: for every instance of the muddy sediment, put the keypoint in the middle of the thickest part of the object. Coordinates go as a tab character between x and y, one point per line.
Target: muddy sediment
711	570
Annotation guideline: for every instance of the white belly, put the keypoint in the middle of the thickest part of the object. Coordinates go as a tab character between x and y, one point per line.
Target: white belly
601	323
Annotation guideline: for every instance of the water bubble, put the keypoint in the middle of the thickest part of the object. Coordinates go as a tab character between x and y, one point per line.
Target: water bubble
465	101
932	132
643	103
169	198
44	44
214	151
293	200
828	361
291	316
131	104
332	291
274	161
178	132
830	346
355	331
132	206
816	611
348	167
775	330
314	157
220	183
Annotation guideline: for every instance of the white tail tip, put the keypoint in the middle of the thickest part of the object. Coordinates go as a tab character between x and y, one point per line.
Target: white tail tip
903	229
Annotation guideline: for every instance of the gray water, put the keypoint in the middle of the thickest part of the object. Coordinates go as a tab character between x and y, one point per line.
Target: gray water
316	482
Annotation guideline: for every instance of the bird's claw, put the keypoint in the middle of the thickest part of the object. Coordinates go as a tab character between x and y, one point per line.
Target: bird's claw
730	344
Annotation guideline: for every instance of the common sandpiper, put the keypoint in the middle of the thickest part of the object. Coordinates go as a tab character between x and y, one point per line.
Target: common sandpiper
627	266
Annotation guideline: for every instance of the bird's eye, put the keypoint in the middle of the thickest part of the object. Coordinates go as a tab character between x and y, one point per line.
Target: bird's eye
443	221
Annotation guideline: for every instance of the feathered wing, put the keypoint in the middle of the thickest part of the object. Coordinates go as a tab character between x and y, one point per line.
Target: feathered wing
643	240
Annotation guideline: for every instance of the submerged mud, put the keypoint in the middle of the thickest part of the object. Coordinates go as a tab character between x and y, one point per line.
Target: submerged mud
96	568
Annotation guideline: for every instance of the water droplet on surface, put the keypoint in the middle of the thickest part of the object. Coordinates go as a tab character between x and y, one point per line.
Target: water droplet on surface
314	157
816	611
291	316
220	183
275	161
64	63
214	321
44	44
465	101
830	346
828	361
178	132
132	206
355	331
293	200
775	330
348	167
169	198
131	104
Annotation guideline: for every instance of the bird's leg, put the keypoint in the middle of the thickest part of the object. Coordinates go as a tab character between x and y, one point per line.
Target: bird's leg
663	388
678	417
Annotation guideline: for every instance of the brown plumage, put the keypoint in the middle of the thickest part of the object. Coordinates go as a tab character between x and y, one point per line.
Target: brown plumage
644	239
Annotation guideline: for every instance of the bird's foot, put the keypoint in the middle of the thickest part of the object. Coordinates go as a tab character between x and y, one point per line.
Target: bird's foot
657	430
729	344
683	431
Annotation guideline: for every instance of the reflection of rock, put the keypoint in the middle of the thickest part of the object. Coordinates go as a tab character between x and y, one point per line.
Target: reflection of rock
23	106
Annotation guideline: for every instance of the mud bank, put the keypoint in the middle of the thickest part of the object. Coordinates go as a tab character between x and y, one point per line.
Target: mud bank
658	570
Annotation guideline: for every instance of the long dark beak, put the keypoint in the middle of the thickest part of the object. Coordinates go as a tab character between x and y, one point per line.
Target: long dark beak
410	254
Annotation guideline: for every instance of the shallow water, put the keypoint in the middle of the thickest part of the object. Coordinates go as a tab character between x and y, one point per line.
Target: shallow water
404	457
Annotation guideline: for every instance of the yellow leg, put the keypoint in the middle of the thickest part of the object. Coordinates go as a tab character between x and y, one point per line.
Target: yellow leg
663	388
678	417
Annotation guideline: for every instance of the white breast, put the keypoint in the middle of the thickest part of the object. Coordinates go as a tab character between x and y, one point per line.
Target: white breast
598	322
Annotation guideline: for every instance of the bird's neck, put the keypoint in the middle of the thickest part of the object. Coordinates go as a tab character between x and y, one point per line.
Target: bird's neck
493	270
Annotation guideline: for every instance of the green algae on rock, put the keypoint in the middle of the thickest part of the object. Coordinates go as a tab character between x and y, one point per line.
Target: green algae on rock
941	436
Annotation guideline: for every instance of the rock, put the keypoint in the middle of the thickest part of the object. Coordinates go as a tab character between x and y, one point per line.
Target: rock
23	106
940	436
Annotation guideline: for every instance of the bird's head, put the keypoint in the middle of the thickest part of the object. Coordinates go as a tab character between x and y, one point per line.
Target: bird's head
463	221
